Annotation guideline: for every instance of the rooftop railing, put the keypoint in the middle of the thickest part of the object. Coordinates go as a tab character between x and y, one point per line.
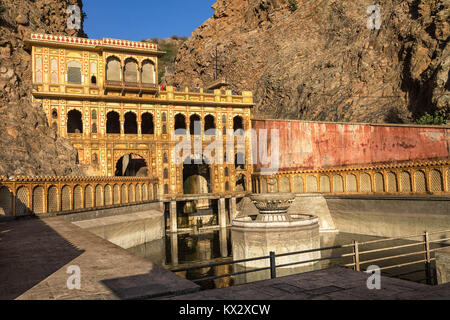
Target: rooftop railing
425	256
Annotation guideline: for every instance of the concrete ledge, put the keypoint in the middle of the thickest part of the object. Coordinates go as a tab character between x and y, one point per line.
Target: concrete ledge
127	230
95	213
443	265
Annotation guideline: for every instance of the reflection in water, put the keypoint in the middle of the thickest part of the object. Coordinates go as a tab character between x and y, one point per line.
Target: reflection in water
186	250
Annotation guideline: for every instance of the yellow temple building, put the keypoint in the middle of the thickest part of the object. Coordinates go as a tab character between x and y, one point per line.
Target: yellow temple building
105	97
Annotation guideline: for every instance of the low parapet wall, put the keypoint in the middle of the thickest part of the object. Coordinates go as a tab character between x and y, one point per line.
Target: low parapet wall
126	226
428	177
21	196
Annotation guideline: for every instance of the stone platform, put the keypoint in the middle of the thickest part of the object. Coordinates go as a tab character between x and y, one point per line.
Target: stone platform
329	284
35	254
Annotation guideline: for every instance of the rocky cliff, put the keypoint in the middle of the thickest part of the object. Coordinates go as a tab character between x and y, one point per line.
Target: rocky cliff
319	60
28	146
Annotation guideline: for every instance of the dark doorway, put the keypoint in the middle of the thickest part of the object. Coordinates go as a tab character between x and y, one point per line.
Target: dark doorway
196	178
113	123
131	126
238	123
193	119
210	125
180	122
147	126
74	122
131	165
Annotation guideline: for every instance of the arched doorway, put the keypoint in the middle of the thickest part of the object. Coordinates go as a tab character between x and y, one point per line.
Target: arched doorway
131	165
238	123
147	125
197	181
112	123
180	122
74	122
210	125
195	127
130	126
196	177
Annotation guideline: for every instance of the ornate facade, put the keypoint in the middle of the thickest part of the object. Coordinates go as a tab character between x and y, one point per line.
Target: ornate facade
103	95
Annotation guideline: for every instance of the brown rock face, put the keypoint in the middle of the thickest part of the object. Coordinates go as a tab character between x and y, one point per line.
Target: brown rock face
322	62
28	146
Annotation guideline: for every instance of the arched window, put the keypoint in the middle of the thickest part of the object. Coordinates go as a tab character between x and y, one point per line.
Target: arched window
164	129
74	72
180	122
94	128
94	115
38	67
148	72
74	122
163	117
238	123
165	158
166	189
226	172
113	123
93	67
54	68
130	123
166	174
131	71
147	126
113	68
54	78
210	124
195	119
94	73
55	114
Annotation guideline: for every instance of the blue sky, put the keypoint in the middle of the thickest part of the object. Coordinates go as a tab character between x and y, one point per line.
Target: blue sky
144	19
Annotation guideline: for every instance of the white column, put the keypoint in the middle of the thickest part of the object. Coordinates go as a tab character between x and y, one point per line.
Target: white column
173	217
174	248
222	213
233	209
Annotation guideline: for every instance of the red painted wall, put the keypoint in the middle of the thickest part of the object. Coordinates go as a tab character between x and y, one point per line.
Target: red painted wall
312	145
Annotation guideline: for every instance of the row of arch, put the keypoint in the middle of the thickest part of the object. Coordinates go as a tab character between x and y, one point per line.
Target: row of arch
379	182
147	125
52	199
131	71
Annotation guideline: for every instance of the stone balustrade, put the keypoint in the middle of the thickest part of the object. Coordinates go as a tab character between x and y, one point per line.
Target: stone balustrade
20	196
431	177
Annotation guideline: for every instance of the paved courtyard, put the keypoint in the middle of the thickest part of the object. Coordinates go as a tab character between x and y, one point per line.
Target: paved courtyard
329	284
35	255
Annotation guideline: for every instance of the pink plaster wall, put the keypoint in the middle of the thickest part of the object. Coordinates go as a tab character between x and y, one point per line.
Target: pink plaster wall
312	145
